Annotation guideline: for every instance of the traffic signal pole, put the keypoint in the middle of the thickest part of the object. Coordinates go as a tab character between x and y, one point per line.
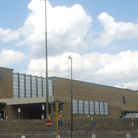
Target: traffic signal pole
57	117
57	106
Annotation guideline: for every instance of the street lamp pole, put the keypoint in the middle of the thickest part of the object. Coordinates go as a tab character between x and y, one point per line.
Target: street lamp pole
71	101
47	105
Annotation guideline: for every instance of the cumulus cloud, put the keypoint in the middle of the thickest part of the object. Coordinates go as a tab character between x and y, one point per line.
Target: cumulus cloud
9	57
70	29
120	66
70	32
66	28
114	30
7	35
129	85
92	67
57	66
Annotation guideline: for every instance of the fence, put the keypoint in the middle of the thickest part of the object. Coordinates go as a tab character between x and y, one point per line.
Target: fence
66	134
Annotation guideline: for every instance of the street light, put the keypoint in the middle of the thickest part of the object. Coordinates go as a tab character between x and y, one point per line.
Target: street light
71	101
47	105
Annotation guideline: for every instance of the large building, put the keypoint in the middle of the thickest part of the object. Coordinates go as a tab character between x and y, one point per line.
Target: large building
24	96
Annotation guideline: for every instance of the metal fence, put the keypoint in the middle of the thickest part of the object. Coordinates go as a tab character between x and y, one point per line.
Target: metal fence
67	134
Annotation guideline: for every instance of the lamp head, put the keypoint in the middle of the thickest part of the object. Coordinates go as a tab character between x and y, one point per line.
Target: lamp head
69	57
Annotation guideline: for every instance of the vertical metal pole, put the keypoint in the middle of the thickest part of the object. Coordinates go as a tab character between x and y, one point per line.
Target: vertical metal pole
71	101
71	104
47	105
57	116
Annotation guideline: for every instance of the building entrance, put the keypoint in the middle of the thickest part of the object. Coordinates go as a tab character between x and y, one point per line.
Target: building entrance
31	111
2	114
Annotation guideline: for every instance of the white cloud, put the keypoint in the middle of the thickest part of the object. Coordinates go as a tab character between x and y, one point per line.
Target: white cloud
66	28
92	67
115	30
9	57
57	66
129	85
7	35
122	66
69	29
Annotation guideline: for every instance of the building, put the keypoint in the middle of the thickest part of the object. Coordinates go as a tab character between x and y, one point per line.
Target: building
24	96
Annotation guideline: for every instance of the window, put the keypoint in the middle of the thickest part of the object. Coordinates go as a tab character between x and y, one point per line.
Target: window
0	74
15	86
75	106
101	108
21	84
91	107
44	87
86	107
39	83
96	107
50	87
33	86
80	103
30	86
106	108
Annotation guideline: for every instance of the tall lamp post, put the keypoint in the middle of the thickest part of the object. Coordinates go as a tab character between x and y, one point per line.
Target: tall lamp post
47	105
71	101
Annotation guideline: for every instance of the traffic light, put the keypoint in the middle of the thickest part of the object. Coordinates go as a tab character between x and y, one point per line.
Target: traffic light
60	105
53	105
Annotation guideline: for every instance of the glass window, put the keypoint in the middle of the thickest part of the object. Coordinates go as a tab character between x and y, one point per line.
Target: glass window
96	107
33	86
21	77
39	83
28	86
50	87
15	86
80	104
75	106
44	87
106	108
86	107
101	108
91	107
0	74
21	86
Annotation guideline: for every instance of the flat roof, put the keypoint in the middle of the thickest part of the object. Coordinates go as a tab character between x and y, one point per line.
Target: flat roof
32	100
2	103
6	68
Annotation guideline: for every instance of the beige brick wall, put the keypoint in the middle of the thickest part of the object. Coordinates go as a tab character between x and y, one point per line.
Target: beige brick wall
81	90
6	83
95	92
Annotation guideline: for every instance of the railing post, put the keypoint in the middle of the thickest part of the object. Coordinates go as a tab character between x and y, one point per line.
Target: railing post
127	134
94	135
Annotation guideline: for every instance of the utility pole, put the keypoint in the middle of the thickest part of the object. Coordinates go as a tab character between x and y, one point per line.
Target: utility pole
47	105
57	116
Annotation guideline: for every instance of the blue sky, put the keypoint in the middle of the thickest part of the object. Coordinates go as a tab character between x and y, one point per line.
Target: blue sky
100	36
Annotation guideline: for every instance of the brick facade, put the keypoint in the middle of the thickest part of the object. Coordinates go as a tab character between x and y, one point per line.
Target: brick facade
62	92
95	92
6	83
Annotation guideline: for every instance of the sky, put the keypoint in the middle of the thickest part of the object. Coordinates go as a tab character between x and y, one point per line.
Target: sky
101	36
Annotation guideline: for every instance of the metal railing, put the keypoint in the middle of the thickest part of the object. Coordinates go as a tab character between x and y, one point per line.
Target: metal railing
67	134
